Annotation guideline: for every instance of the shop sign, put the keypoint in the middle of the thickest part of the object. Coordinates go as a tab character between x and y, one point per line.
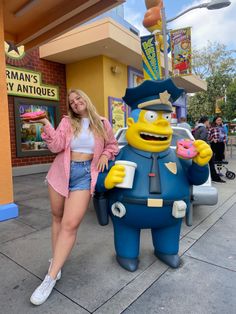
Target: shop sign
151	58
218	104
117	113
27	83
181	51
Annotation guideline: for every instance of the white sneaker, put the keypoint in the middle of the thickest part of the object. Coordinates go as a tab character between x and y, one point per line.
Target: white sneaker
58	277
43	291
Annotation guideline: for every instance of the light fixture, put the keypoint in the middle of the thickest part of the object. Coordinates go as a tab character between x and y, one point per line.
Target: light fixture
218	4
115	69
212	5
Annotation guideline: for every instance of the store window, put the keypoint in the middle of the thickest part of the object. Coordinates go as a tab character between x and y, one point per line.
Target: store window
28	135
135	77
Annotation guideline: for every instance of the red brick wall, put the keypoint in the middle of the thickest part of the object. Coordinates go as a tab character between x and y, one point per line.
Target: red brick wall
52	73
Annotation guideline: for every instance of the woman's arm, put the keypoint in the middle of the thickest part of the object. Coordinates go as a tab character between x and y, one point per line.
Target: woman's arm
111	146
56	139
225	136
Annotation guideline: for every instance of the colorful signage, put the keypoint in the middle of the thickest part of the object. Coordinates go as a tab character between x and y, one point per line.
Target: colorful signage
181	51
151	58
27	83
218	104
14	52
117	113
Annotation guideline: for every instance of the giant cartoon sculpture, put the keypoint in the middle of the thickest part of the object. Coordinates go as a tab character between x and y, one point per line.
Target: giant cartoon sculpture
152	20
160	195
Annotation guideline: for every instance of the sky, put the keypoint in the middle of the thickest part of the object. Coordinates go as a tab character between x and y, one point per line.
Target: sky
207	25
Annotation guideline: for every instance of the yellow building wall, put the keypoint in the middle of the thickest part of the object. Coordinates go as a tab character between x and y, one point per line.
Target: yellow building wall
87	75
115	83
95	77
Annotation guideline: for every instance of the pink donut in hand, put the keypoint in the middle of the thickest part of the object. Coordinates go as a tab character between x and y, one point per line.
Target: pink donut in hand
186	149
36	115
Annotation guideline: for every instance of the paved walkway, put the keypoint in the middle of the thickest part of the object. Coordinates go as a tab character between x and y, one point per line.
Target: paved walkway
92	282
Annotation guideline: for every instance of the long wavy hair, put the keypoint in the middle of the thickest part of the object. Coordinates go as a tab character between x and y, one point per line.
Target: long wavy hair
214	121
96	125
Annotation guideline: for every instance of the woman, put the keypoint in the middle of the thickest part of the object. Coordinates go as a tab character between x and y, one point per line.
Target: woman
201	132
84	142
218	139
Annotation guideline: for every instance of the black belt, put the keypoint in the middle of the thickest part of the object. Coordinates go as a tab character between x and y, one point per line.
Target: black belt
145	201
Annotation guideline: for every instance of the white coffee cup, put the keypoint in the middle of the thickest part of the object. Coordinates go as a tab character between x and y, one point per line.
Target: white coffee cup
129	173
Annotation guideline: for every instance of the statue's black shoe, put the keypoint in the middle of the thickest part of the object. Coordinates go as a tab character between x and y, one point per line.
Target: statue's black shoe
170	260
130	264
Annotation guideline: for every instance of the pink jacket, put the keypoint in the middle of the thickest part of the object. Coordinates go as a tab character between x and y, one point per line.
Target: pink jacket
58	141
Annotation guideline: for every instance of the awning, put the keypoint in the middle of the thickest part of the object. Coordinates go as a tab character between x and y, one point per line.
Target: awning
109	38
33	22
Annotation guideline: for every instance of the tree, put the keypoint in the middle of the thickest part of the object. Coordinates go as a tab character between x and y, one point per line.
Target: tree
212	60
217	65
198	106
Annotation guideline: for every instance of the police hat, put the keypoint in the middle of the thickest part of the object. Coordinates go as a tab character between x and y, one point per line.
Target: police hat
153	95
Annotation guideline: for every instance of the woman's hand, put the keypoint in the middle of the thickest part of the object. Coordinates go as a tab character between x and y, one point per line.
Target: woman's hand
102	163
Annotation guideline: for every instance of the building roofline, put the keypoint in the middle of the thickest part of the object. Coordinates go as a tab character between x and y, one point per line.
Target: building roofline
109	38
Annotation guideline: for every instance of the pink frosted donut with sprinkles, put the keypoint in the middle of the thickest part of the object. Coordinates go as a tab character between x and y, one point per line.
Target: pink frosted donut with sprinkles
36	115
186	149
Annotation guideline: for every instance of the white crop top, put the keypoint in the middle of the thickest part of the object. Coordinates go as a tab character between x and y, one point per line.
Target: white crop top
84	141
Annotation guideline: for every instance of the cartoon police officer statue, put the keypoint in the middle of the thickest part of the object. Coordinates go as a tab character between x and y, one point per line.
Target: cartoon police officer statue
160	196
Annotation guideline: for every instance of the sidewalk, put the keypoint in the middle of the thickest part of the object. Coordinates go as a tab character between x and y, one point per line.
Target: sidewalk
92	282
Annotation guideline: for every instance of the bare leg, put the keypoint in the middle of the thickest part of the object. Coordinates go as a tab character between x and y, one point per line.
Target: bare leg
74	210
57	207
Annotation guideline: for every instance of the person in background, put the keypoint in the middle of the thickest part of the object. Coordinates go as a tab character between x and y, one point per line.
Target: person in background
202	132
226	128
84	142
218	139
183	124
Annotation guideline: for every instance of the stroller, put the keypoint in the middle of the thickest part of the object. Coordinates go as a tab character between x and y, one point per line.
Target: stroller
221	166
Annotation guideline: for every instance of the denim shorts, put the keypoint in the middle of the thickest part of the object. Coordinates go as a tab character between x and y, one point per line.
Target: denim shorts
80	175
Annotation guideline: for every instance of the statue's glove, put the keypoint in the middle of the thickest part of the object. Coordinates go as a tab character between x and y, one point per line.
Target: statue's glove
115	175
204	153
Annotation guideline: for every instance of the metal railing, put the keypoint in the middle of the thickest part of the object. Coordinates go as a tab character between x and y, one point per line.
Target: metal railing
231	146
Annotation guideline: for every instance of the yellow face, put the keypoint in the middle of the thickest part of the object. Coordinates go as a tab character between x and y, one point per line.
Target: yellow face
152	132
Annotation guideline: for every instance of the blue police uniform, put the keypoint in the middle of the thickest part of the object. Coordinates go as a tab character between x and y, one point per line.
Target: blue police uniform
161	190
174	186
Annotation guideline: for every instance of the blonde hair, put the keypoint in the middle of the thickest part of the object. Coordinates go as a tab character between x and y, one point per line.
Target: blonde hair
95	125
